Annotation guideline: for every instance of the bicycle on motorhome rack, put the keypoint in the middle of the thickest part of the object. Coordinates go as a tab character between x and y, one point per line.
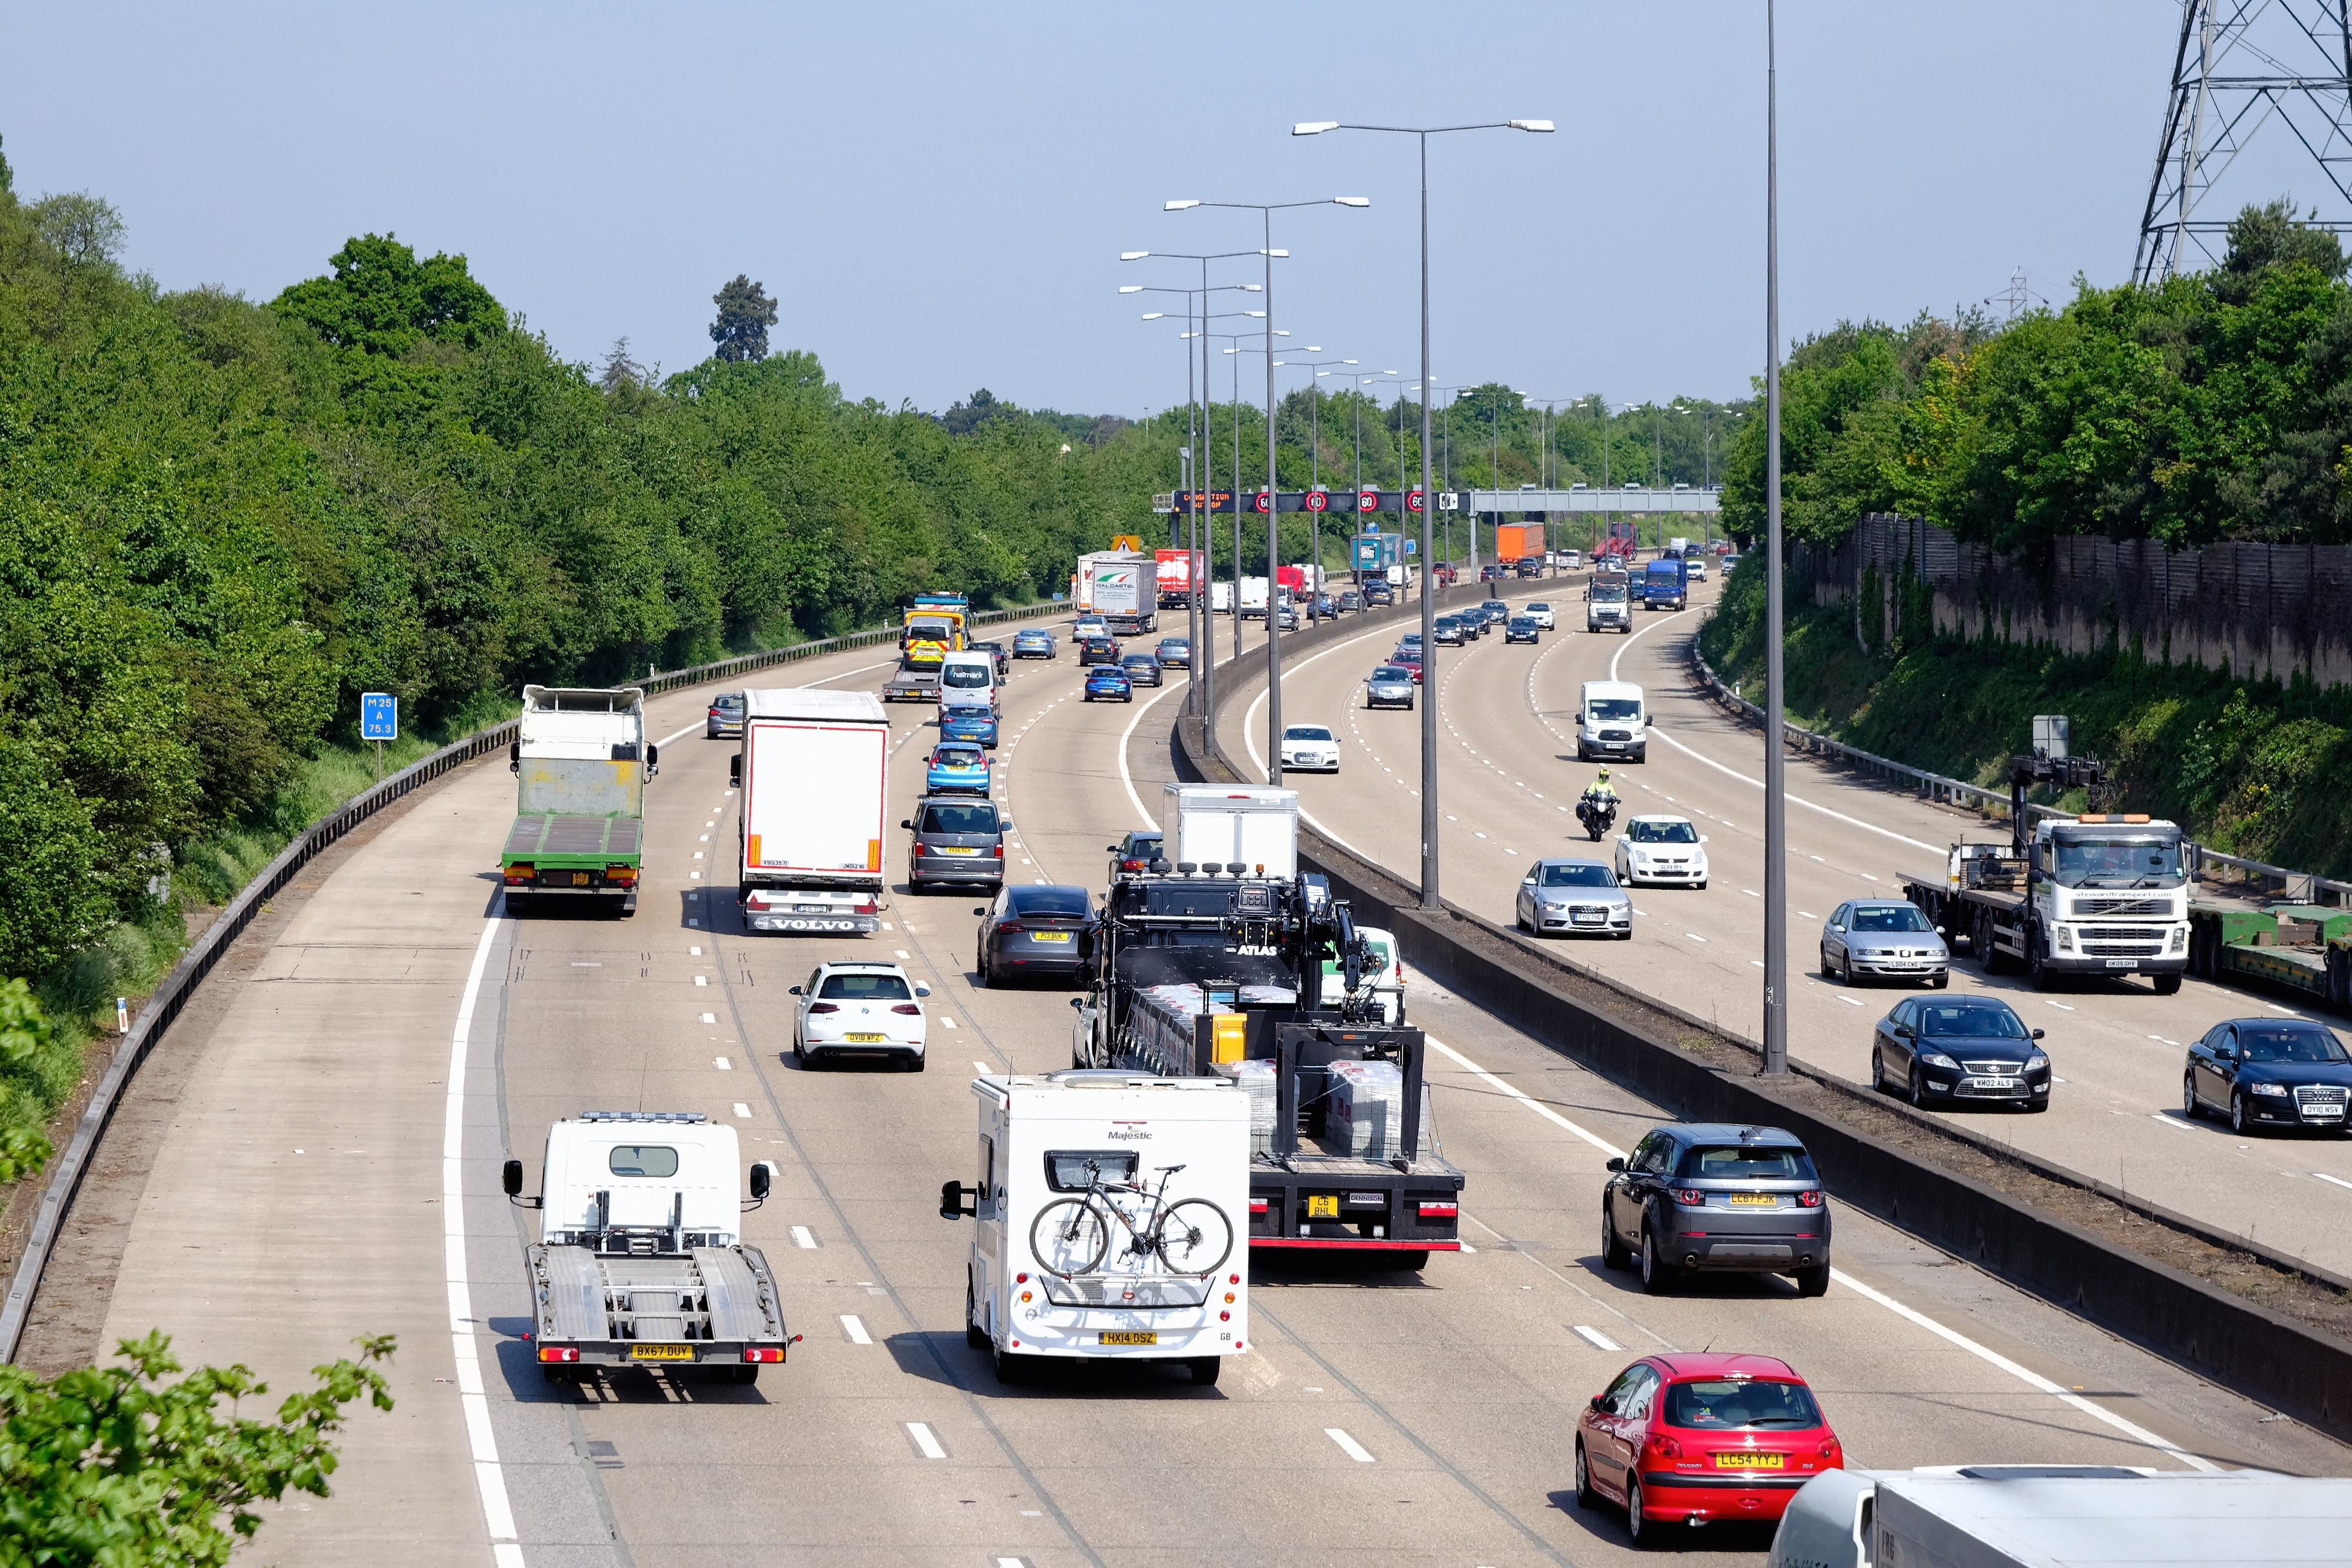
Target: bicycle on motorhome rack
1072	1235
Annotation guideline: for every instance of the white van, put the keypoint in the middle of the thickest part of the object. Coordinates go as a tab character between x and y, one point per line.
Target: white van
1611	722
1112	1211
968	680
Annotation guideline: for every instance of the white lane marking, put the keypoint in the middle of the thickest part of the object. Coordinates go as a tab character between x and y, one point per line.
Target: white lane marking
1795	799
899	952
2060	1005
855	1330
1124	776
1349	1446
1757	961
742	1111
925	1443
2338	1180
722	1063
2283	1012
2169	1121
1751	891
2035	1380
1849	1001
489	1477
950	1023
709	1017
702	980
1693	936
803	1237
1595	1338
982	1069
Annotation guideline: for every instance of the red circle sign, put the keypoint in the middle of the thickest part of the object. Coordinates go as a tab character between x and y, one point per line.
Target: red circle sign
1317	501
1368	500
1262	501
1413	501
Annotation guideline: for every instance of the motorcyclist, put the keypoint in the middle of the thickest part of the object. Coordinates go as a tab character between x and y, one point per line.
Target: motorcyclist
1598	805
1600	790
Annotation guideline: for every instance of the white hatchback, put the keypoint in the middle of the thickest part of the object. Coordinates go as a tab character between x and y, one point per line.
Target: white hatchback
1540	613
1310	748
1661	851
859	1009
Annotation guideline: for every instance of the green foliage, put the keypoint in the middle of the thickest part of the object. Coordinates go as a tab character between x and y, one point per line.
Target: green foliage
745	314
25	1057
115	1467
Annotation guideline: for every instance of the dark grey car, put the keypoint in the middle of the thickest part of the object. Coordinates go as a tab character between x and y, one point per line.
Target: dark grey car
1717	1196
1032	929
958	842
1142	668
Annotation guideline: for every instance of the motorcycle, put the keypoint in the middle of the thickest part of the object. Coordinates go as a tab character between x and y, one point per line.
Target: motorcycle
1598	813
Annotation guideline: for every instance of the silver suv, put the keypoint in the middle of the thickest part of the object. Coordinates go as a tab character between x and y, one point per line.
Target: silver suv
958	842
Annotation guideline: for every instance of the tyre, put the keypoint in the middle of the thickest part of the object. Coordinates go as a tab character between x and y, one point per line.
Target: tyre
973	1334
915	1063
1942	978
1409	1262
1012	1370
2170	984
1700	886
2190	1106
560	1376
1827	972
1918	1088
2036	1106
1878	1071
1814	1281
1068	1237
1195	1237
1613	1254
2037	971
1205	1369
1636	1526
2237	1112
1845	969
1657	1275
1585	1496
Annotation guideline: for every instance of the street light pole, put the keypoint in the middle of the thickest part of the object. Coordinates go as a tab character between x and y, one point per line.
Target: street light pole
1775	757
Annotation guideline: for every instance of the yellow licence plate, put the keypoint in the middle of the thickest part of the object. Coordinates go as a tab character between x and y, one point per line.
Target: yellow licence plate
662	1353
1323	1208
1744	1461
578	879
956	849
1754	1200
1131	1339
862	1039
1049	936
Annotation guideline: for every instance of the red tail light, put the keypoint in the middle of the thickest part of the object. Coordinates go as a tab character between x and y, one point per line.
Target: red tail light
1000	850
909	1009
1690	1198
517	874
823	1007
1441	1211
1257	1205
1830	1450
1008	928
622	876
919	847
1663	1447
559	1353
763	1353
1811	1200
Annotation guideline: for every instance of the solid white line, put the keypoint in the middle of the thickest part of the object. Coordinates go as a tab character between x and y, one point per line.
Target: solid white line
1349	1446
928	1445
855	1330
489	1479
2033	1378
1598	1340
2338	1180
803	1236
1124	776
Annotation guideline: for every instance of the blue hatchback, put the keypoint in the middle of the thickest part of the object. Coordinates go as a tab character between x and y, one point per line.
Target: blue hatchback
1109	680
977	725
957	768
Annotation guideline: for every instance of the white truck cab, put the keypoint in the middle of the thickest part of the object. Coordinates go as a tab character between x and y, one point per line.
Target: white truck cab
1109	1209
1612	721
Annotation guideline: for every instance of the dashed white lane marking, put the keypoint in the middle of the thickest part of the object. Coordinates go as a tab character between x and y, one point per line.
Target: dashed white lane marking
983	1068
1849	1001
742	1111
1596	1339
1757	961
2060	1005
1751	891
2336	1180
2160	1117
2136	1433
950	1023
702	980
722	1063
855	1330
924	1444
1349	1446
803	1237
1693	936
709	1017
694	953
489	1477
901	953
2283	1012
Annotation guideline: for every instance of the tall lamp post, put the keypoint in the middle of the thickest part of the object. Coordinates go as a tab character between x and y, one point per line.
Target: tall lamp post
1775	757
1429	817
1265	211
1314	455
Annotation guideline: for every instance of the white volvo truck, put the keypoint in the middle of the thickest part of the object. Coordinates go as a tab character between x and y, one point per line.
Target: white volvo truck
809	837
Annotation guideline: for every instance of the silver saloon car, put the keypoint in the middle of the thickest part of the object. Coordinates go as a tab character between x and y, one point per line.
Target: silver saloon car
1389	685
1884	938
1574	897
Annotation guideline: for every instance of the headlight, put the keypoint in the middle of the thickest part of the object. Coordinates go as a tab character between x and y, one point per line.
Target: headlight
2178	940
2066	939
2267	1088
1939	1059
2036	1062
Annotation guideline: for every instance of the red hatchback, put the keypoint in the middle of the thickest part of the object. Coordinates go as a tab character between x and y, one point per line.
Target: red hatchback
1697	1439
1410	658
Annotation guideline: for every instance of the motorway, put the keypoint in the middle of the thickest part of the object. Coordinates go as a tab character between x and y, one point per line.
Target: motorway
1508	783
331	1169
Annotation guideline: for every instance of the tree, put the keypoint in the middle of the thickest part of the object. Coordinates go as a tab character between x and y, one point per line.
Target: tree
745	314
2261	237
620	370
112	1466
382	301
963	419
83	231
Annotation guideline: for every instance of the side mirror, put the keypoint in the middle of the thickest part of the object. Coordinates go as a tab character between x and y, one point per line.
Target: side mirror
793	992
922	991
2037	1034
1615	1164
1941	931
1902	1031
1650	722
2226	1052
1005	826
982	910
735	771
1078	1002
764	1175
653	760
511	1178
1601	1404
958	1201
514	758
903	823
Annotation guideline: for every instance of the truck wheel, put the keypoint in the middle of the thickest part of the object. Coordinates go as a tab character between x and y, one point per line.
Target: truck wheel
518	904
2037	971
1205	1369
2168	985
2339	978
1410	1262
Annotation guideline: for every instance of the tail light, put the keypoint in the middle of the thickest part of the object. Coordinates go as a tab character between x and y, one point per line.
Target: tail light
519	874
909	1009
564	1354
624	876
1000	850
763	1353
919	847
1257	1205
1690	1198
1663	1447
1811	1200
1008	928
1830	1450
865	906
1441	1211
823	1007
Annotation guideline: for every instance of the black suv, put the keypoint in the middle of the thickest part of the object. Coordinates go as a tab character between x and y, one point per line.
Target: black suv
1717	1196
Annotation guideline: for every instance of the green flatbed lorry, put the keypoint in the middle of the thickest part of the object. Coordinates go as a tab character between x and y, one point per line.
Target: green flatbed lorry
2304	947
581	764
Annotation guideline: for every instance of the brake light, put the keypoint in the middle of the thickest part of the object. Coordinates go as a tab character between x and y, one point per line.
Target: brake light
1690	1198
517	874
1811	1200
909	1009
626	875
1000	850
1007	928
823	1007
1441	1211
559	1353
1663	1447
1257	1205
763	1353
1829	1449
919	847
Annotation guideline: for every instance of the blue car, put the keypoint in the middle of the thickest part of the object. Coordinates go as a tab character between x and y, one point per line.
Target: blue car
1110	680
957	768
976	725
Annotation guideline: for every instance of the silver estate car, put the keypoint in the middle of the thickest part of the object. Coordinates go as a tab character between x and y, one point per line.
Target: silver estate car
1884	938
1574	897
1389	685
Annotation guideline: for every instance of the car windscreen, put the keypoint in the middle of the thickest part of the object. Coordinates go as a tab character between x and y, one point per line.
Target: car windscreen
1975	1020
2289	1043
642	1160
865	988
1889	917
1609	593
1575	874
1642	832
964	675
1140	661
1304	732
956	757
2112	863
1522	623
958	818
1614	709
1740	1405
1392	673
1076	1170
1746	1162
1049	901
729	702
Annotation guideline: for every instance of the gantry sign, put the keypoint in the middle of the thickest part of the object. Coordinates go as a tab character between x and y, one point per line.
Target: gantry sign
1403	503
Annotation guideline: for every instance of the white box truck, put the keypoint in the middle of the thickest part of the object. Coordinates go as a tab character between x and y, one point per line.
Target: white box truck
1252	598
1224	828
1109	1207
811	773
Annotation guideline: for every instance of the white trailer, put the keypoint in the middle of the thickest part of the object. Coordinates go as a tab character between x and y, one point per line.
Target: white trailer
1109	1209
811	773
1225	827
1123	587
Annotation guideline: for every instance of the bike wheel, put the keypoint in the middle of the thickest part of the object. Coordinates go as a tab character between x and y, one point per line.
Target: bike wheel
1195	1237
1068	1238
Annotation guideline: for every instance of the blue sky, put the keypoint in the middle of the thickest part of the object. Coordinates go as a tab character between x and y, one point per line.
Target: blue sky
936	195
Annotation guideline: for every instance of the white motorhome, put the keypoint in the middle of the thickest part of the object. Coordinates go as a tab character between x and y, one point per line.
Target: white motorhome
1230	827
811	773
1611	722
1109	1211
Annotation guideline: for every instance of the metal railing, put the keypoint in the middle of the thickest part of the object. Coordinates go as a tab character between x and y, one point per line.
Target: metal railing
155	1016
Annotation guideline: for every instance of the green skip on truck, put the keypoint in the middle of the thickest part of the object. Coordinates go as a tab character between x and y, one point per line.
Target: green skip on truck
580	767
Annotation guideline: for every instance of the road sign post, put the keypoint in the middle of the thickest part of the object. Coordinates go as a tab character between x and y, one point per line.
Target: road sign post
379	722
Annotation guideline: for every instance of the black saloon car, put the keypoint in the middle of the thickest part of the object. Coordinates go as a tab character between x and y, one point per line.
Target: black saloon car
2269	1072
1033	929
1933	1049
1717	1196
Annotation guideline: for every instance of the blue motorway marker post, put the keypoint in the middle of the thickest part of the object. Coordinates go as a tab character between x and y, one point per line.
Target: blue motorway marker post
379	722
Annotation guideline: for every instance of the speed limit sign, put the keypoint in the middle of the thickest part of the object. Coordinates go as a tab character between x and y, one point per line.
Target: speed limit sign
1368	500
1317	501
